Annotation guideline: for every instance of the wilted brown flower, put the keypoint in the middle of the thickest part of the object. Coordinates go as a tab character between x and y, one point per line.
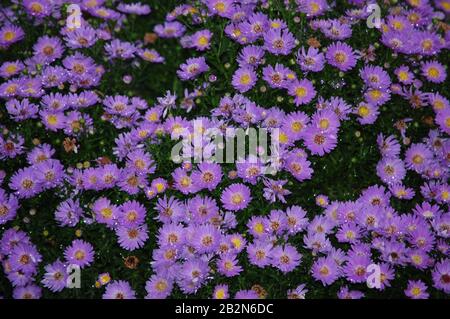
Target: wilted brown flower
313	42
262	293
70	145
104	160
131	262
150	38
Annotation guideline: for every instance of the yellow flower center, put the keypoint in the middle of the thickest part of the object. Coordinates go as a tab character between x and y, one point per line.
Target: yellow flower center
296	127
11	68
417	159
324	124
9	35
220	294
245	79
433	72
52	119
237	198
301	92
203	41
220	7
363	111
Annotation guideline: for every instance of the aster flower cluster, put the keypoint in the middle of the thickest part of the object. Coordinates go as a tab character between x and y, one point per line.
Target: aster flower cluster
90	113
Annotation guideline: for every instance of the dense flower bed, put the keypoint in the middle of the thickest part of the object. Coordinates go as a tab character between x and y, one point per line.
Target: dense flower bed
92	104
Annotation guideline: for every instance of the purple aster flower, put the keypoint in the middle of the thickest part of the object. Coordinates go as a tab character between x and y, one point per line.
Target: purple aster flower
336	30
236	197
443	120
10	88
119	289
170	210
278	76
11	238
183	181
419	259
30	291
68	213
441	275
158	287
246	294
150	55
318	142
103	13
355	268
348	233
256	26
25	258
313	8
227	264
38	8
172	235
20	110
192	68
341	56
8	207
401	192
117	49
260	253
11	68
49	173
244	79
427	211
325	270
132	237
345	293
391	170
417	157
80	253
404	75
202	209
434	71
132	213
427	43
285	258
55	277
303	91
53	76
367	112
201	40
294	124
312	60
298	293
250	170
25	183
141	161
19	278
105	212
10	34
170	29
416	290
207	175
279	42
375	77
48	49
11	146
192	275
206	238
274	190
221	291
83	37
389	146
134	8
250	56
